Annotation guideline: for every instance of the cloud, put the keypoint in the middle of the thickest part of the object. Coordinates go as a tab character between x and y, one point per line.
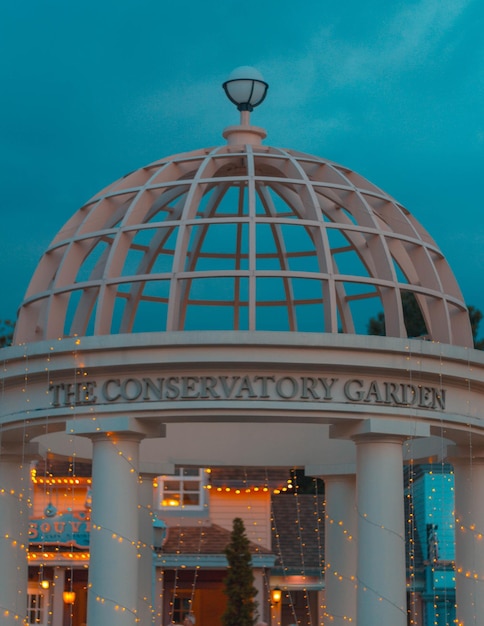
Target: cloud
392	44
323	85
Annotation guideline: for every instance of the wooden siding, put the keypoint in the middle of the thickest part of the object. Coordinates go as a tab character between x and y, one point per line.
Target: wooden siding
254	508
64	497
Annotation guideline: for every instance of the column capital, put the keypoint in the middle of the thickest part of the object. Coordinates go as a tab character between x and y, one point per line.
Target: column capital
121	425
377	428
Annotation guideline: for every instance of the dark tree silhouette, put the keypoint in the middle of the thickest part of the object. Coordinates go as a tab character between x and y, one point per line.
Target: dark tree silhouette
415	323
6	333
475	317
412	316
239	582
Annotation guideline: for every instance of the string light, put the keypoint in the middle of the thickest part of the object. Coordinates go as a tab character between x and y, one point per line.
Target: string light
464	526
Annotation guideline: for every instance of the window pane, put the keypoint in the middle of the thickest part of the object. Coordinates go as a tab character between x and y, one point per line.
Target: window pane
35	608
191	499
182	489
180	609
172	485
191	485
191	472
171	500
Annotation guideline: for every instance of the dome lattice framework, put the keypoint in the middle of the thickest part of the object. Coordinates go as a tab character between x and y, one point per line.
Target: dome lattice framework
240	237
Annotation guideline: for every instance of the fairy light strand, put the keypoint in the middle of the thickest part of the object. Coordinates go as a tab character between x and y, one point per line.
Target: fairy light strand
300	529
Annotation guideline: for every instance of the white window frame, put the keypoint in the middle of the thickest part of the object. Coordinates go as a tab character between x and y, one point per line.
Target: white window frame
182	477
39	610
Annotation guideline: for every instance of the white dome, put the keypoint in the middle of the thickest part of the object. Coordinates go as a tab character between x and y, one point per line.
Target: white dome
240	237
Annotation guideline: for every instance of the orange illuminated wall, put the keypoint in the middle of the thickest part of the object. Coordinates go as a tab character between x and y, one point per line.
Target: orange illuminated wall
65	494
254	507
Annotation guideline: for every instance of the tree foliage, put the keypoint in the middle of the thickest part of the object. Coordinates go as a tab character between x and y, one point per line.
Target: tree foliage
415	323
239	582
6	333
475	317
412	316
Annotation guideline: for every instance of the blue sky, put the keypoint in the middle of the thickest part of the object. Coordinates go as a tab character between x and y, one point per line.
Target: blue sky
93	90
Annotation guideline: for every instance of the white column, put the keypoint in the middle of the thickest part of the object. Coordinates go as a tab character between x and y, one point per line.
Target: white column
113	568
381	595
262	592
340	549
114	540
14	540
57	597
146	583
469	539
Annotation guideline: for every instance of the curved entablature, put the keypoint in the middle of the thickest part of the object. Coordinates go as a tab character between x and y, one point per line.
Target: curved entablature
244	378
244	238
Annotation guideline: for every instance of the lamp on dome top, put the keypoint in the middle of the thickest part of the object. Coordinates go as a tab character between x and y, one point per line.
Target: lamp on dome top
246	88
